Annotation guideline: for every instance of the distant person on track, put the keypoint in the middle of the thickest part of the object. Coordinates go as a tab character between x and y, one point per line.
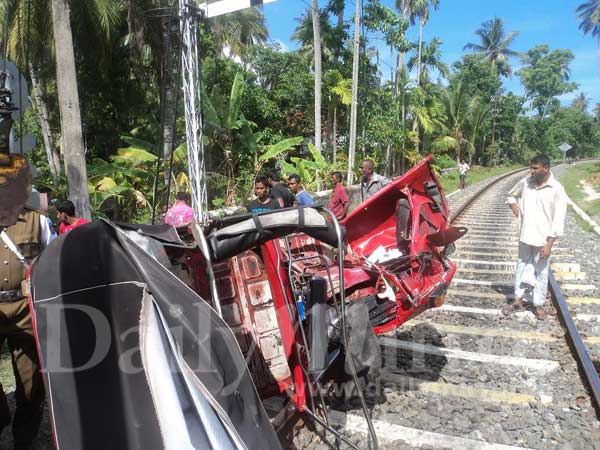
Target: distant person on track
540	204
370	182
463	168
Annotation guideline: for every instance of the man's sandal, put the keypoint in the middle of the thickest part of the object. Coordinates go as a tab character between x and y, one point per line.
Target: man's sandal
515	307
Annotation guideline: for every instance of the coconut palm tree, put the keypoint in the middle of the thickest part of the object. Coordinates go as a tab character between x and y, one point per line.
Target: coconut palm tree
236	31
26	37
336	7
589	16
494	45
458	110
403	6
581	102
340	93
431	59
304	34
419	9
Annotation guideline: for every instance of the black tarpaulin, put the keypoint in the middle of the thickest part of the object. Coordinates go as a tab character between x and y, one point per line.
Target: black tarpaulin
260	228
134	359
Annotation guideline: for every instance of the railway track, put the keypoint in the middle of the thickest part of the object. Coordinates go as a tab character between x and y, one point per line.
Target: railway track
463	376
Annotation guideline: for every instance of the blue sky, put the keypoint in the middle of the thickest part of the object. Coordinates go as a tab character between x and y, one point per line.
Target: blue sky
552	22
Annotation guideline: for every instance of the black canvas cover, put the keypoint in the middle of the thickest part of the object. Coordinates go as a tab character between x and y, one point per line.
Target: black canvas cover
134	359
166	234
257	229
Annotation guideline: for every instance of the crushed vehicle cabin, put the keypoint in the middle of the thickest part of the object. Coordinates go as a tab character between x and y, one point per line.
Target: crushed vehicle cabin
295	295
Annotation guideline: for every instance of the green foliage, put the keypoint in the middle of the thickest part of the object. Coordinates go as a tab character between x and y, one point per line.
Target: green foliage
275	150
258	109
312	172
589	16
443	162
477	75
546	75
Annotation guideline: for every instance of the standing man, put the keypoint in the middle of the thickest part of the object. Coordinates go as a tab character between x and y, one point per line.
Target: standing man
340	201
303	198
463	168
263	202
65	211
30	234
181	213
370	182
278	191
540	204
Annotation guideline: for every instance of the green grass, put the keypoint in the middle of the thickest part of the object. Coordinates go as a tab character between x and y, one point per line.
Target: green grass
6	373
570	179
450	182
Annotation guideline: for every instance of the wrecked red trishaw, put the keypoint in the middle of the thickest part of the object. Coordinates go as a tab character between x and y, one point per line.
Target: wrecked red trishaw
151	342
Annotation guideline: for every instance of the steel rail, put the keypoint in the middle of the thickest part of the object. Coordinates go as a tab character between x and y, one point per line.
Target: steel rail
480	191
577	345
580	350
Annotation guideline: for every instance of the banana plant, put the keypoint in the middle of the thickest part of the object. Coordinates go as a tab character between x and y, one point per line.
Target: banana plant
312	172
126	178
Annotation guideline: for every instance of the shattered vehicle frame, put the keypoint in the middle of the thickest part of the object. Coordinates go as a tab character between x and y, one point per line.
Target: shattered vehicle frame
297	299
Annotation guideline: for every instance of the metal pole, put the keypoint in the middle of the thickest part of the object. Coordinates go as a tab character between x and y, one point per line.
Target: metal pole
190	69
354	105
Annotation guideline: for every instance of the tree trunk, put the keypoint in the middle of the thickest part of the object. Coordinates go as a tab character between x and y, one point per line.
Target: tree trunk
354	104
458	137
317	49
340	28
169	93
419	68
395	80
70	115
388	159
415	128
334	135
327	138
40	106
404	6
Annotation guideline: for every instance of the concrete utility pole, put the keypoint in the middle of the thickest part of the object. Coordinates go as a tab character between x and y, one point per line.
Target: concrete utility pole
318	69
354	104
70	115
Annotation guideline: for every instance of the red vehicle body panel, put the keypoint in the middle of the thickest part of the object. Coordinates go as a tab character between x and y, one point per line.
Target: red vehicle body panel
373	224
256	288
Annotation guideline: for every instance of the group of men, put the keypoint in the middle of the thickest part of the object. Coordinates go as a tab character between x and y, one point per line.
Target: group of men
271	194
31	234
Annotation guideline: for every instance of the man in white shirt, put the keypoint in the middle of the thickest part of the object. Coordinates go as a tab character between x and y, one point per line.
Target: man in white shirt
463	168
540	204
